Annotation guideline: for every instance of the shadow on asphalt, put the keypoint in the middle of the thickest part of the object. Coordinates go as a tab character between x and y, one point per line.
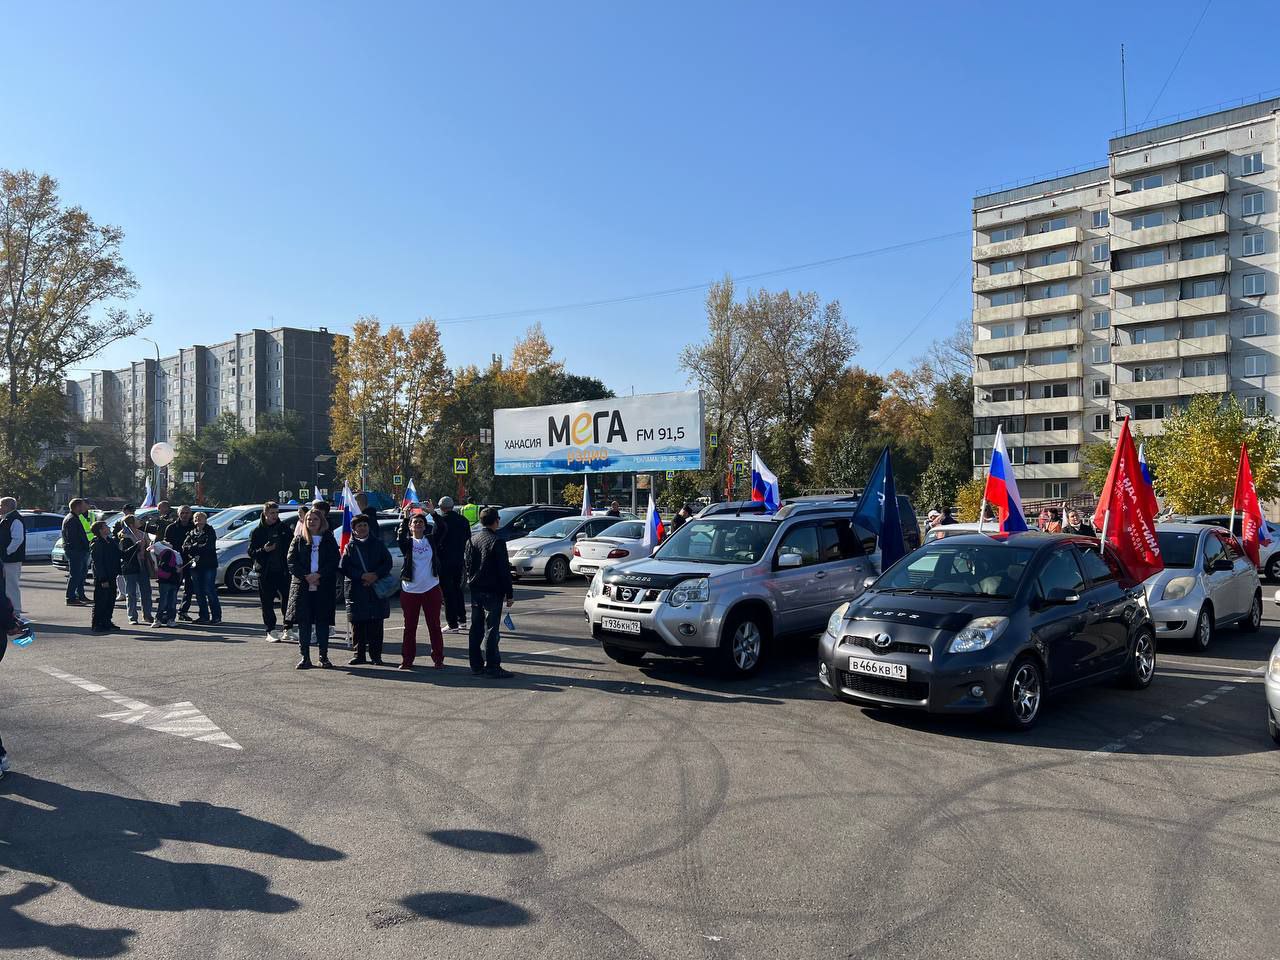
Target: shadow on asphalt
1228	644
484	841
102	846
470	909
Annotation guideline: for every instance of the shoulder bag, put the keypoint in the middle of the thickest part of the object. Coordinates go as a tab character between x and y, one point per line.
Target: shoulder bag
384	587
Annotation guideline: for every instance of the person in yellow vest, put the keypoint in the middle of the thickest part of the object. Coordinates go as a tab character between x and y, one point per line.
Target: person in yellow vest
471	512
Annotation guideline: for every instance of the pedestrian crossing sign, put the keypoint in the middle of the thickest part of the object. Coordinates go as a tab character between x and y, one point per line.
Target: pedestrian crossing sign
304	494
397	480
459	464
671	474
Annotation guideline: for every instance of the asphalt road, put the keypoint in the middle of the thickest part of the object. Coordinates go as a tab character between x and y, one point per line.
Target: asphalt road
586	809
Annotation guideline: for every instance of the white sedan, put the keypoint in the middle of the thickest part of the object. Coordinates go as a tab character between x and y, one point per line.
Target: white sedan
621	541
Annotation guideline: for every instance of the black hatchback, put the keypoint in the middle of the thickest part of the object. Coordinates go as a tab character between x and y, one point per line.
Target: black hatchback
976	623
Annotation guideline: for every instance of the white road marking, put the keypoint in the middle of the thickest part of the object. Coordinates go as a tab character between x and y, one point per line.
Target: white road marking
181	719
535	653
1133	736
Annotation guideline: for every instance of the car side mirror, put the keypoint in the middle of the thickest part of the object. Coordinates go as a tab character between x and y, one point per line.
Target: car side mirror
789	560
868	582
1223	564
1058	597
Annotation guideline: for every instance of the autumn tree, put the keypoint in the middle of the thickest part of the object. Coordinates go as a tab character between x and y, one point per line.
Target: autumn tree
395	385
61	280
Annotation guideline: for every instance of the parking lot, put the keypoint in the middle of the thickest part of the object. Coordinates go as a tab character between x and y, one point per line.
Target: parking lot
235	807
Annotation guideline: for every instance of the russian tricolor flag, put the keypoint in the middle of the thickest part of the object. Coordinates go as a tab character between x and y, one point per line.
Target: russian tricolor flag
349	509
764	485
410	495
1002	488
653	526
1148	482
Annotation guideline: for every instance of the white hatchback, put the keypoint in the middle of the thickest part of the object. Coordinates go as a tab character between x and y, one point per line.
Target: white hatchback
623	540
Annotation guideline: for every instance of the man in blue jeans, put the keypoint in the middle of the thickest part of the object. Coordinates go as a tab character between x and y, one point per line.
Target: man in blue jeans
75	541
489	577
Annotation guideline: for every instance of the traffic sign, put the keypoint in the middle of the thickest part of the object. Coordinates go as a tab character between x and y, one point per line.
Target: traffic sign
740	467
397	480
283	495
460	465
188	476
714	440
671	474
304	494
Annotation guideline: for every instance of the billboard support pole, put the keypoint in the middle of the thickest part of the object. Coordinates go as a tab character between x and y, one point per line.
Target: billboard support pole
634	478
533	497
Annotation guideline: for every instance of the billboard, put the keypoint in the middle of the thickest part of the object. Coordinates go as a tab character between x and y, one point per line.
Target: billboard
657	431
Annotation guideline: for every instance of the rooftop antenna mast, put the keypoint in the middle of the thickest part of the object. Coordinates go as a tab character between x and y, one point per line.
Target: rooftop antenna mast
1124	92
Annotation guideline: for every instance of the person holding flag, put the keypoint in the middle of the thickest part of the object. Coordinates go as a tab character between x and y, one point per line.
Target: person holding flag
764	485
878	512
1002	489
1126	514
410	496
653	527
149	498
1253	526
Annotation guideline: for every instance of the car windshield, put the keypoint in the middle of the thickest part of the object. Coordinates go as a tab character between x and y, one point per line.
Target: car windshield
947	568
625	530
507	514
1178	549
557	529
718	541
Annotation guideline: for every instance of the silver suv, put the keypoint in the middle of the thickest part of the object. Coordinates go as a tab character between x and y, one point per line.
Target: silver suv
723	587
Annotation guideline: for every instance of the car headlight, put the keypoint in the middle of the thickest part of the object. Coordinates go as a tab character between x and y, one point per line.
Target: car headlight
690	591
837	618
526	552
978	634
1275	668
1179	587
597	584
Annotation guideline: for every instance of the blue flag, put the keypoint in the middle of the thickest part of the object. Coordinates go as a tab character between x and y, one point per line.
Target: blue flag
878	512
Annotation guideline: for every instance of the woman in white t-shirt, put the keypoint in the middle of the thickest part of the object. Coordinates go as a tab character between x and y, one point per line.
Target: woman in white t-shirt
420	585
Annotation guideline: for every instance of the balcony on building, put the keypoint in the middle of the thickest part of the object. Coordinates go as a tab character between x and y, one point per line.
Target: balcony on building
1169	272
1169	387
1169	232
1073	337
1045	438
1140	428
1048	471
1192	307
1171	349
1168	194
1029	275
1029	374
1028	244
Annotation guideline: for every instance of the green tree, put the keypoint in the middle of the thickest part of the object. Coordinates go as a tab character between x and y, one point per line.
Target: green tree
847	438
109	469
1095	464
1195	460
259	462
969	499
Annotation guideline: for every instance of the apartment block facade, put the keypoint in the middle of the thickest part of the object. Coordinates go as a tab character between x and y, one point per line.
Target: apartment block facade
262	371
1126	290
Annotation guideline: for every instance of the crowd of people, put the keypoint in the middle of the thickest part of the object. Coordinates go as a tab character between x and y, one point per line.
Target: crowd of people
303	577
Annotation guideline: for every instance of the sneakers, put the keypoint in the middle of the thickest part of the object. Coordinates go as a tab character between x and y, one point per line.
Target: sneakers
133	620
356	661
291	635
303	664
273	636
325	664
156	623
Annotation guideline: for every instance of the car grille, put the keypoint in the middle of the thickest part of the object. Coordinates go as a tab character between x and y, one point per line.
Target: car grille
630	594
897	646
879	687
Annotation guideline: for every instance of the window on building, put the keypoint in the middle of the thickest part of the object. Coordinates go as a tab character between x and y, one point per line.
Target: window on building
1255	285
1252	203
1018	454
1101	219
1150	335
1199	171
981	456
1101	286
1205	327
1003	234
1101	319
1101	353
1201	368
1145	221
987	426
1008	361
1102	388
1148	374
1054	325
1099	252
1054	423
1254	244
1200	249
1255	365
1255	406
1040	358
1002	331
1047	226
1050	257
1050	290
1049	391
1145	258
1251	163
1149	182
1003	298
1055	490
1200	209
1142	298
1060	455
1101	421
1149	411
1003	394
1203	288
1255	324
1003	266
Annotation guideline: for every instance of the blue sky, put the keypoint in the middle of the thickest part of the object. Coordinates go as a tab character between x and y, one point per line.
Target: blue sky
305	163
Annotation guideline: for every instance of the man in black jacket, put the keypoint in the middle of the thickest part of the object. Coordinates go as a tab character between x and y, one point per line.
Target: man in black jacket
75	541
175	535
452	567
157	523
489	576
269	549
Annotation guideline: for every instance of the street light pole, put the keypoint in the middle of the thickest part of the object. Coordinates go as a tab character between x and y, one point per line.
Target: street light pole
157	412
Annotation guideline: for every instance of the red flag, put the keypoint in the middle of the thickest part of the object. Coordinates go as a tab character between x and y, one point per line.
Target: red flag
1252	529
1125	516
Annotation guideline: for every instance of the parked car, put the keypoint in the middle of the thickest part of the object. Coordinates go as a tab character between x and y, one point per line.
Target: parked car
725	587
623	540
1271	684
973	624
546	552
1268	553
517	522
43	531
1207	582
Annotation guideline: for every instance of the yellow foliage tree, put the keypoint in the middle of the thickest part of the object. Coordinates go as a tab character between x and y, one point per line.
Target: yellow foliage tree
969	500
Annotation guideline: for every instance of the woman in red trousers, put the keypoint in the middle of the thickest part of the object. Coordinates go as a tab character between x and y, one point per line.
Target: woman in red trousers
420	585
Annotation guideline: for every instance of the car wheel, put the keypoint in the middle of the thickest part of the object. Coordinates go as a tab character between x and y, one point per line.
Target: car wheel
741	645
1023	694
238	577
1253	621
1141	668
1272	572
1204	629
1272	727
557	570
622	655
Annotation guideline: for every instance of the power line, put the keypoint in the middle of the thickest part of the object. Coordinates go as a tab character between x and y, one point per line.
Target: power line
694	287
1174	69
919	323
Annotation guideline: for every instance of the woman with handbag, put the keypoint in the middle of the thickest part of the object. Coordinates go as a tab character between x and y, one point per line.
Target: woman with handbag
365	561
420	585
313	568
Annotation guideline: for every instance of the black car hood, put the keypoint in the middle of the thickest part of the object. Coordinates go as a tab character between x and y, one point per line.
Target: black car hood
642	575
949	614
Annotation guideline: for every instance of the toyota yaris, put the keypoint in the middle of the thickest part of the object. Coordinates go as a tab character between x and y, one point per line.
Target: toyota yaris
972	624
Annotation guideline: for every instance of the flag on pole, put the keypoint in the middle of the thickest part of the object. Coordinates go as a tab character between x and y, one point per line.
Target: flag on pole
878	512
1125	517
1253	527
586	496
1002	488
764	485
653	528
410	495
149	500
349	510
1148	481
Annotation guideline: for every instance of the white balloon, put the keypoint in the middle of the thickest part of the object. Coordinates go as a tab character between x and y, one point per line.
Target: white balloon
162	454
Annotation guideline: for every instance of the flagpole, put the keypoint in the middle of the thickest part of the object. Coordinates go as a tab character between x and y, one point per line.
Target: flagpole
1102	540
982	505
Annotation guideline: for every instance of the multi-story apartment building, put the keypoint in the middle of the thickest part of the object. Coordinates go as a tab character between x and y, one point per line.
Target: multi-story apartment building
262	371
1125	290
